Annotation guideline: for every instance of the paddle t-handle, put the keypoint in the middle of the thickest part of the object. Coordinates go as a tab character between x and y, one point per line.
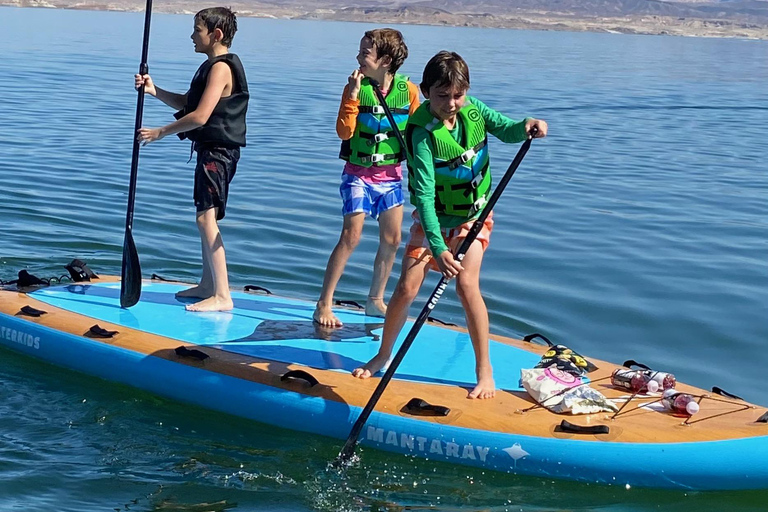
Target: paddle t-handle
348	450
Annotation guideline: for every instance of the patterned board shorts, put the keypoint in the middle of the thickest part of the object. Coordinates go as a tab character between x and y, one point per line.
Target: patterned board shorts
369	198
216	166
418	245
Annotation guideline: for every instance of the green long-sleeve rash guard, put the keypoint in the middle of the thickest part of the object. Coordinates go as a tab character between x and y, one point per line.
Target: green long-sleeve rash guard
423	168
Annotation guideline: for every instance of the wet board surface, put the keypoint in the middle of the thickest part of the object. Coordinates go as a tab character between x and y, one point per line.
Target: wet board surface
281	329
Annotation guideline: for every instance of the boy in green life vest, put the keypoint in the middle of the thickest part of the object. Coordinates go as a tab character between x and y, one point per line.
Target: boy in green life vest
371	183
449	180
212	115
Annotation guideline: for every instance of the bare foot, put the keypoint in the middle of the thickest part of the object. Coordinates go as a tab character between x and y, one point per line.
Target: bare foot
375	306
370	368
324	316
486	387
197	292
212	304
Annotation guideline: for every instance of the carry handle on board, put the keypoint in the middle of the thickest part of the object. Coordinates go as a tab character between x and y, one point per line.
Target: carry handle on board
191	353
420	407
722	392
130	282
631	362
300	374
529	338
349	446
571	428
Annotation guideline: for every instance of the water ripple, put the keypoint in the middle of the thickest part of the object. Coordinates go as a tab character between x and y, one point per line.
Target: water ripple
636	230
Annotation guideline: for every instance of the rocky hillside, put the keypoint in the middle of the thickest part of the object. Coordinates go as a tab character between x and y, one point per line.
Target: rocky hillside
717	18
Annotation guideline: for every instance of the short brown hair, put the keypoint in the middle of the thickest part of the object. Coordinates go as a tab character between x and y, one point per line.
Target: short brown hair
445	69
389	42
219	17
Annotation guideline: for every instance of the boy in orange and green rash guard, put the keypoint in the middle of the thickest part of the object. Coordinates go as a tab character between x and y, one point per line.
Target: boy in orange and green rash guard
449	181
371	183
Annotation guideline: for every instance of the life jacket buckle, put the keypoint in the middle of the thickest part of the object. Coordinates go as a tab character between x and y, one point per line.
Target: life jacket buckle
478	205
476	181
377	110
379	137
376	158
467	156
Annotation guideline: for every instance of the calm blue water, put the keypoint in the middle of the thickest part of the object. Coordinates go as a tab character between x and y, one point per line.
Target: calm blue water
638	230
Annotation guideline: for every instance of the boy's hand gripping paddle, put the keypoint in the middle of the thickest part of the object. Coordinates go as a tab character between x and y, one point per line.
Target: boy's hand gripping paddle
130	284
348	449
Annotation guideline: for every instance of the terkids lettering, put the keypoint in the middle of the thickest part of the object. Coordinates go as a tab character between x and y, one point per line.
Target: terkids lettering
20	337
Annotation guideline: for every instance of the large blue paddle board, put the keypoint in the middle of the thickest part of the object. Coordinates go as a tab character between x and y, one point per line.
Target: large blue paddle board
266	360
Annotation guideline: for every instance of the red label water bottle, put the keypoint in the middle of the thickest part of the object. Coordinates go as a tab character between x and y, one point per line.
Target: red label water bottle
680	403
634	380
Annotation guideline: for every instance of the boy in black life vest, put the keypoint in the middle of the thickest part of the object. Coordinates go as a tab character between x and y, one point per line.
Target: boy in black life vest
212	115
371	183
449	181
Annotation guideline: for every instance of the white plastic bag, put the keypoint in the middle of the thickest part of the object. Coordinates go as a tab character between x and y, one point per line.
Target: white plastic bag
563	392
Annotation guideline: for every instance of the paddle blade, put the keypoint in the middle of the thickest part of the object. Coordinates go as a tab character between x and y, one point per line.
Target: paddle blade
130	285
347	455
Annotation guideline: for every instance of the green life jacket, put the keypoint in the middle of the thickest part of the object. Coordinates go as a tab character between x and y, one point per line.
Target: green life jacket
462	172
374	142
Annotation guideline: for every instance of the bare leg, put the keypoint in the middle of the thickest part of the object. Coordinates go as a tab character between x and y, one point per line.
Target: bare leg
205	288
468	290
389	240
414	272
213	248
350	237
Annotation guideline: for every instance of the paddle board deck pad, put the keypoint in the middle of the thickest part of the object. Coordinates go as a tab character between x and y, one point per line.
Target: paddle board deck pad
266	360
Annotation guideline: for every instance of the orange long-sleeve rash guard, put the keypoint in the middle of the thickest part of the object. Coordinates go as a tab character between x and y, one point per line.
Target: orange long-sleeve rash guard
347	120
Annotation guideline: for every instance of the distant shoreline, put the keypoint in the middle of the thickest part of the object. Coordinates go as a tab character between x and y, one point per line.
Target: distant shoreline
634	24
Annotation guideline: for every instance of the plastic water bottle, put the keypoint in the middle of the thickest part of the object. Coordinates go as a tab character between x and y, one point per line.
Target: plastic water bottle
634	380
679	403
642	380
664	379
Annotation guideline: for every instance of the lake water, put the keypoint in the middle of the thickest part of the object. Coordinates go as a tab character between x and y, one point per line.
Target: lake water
637	230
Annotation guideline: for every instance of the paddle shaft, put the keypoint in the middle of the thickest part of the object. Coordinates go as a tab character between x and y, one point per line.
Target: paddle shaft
130	287
349	446
143	70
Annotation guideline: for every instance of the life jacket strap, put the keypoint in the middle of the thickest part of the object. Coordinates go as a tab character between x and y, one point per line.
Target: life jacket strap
375	138
469	186
379	157
464	157
470	208
379	110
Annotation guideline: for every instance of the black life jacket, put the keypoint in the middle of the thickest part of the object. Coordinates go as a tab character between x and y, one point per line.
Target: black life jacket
226	126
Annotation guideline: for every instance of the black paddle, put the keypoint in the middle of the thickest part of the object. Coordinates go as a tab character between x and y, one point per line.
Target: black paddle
349	446
388	113
130	284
